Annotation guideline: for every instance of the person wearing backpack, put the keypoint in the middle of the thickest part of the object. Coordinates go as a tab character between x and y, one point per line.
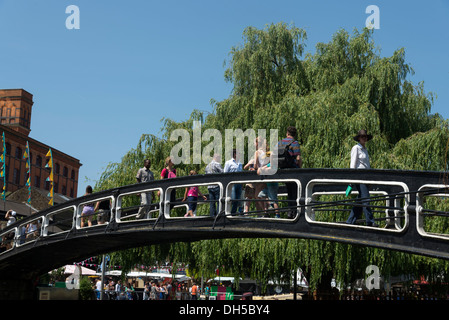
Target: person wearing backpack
291	159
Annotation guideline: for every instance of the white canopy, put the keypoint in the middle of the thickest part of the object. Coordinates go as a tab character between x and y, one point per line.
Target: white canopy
70	269
179	277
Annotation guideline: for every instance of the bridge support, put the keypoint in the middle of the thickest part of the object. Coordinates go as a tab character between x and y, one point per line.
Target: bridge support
17	289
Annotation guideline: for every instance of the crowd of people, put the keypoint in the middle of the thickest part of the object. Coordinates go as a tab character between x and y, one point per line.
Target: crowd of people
263	195
153	290
260	162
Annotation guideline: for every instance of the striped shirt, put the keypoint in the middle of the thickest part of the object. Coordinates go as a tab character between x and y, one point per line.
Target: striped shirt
294	148
213	167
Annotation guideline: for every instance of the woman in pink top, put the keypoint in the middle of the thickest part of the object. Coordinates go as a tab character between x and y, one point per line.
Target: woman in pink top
191	194
167	173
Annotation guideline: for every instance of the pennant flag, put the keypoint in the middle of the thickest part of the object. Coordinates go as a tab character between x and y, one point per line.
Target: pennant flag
50	178
28	166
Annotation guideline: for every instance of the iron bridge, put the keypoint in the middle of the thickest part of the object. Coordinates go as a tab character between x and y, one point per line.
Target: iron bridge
402	201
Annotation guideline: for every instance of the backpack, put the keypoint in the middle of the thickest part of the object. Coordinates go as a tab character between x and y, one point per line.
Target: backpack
285	159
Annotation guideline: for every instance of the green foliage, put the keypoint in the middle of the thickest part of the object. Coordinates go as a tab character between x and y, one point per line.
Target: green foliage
86	291
329	95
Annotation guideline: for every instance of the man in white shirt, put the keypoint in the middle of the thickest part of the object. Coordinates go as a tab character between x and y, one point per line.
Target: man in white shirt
234	165
144	175
360	160
11	217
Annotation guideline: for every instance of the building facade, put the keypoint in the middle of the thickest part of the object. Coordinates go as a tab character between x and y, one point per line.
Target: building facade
15	123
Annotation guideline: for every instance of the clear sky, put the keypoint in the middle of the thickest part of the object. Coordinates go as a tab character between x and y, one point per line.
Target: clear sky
98	88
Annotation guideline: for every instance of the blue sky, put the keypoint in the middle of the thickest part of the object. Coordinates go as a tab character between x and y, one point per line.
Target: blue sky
159	59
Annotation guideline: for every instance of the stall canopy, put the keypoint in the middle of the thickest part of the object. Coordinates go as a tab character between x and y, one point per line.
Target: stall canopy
70	269
139	274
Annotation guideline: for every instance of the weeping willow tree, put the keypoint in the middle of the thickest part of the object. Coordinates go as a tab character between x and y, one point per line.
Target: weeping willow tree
328	96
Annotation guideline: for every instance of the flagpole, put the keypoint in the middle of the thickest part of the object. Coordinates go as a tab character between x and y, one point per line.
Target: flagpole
26	156
3	170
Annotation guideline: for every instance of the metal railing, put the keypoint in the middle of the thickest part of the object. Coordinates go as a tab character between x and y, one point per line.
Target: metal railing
321	201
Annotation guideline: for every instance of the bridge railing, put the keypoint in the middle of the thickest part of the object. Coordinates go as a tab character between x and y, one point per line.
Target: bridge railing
59	221
269	200
320	201
128	204
389	201
174	195
432	211
7	239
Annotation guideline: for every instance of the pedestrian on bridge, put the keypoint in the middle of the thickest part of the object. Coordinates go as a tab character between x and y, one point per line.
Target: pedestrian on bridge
88	210
11	217
214	190
293	147
167	173
360	160
144	175
191	194
234	165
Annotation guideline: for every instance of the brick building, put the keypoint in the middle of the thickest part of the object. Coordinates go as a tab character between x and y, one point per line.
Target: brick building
15	121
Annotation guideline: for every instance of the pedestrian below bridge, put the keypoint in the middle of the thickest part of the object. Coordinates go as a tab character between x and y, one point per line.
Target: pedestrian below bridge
144	174
360	160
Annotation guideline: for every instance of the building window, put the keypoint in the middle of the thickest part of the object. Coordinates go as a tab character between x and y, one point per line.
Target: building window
73	174
16	176
39	161
18	153
65	172
64	190
57	168
8	148
37	181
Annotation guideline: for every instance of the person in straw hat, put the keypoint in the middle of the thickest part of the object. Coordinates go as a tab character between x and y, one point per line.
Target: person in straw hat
360	160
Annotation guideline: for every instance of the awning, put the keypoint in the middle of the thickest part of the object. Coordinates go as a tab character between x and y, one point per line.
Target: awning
70	269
